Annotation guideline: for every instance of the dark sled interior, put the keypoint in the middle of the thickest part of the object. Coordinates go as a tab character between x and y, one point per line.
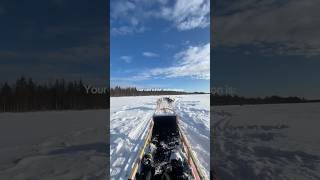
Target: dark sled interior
166	139
165	127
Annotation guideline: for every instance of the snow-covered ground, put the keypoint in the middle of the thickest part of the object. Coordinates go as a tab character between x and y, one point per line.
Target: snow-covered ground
130	117
53	145
260	142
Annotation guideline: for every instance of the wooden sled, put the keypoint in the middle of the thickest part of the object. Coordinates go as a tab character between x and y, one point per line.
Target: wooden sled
166	124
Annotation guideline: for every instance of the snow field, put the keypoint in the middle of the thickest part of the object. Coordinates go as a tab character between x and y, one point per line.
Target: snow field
262	142
53	145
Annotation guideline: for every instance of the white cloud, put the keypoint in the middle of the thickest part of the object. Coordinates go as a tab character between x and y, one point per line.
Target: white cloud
189	14
193	62
124	30
129	17
291	27
150	54
121	8
126	59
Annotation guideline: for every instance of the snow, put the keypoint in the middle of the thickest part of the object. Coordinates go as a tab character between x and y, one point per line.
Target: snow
130	117
267	141
194	113
53	145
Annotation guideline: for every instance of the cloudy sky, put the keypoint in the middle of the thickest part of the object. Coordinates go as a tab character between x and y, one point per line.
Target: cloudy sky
261	47
160	44
53	39
267	47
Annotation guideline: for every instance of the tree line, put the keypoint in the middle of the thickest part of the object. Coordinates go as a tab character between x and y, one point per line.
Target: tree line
217	99
133	91
27	95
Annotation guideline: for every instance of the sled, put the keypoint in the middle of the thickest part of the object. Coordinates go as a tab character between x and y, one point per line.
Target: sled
166	152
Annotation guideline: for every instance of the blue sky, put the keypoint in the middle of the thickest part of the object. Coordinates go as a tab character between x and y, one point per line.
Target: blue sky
261	47
266	47
53	39
160	44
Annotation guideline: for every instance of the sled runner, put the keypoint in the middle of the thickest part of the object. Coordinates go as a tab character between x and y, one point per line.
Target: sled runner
165	154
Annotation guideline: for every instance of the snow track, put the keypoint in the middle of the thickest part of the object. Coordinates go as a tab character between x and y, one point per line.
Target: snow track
195	121
130	117
262	142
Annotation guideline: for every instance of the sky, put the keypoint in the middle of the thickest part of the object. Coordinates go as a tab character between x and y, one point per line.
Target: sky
160	44
267	47
260	47
53	39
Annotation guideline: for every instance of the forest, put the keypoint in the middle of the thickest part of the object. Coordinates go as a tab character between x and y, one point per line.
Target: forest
216	99
27	95
133	91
